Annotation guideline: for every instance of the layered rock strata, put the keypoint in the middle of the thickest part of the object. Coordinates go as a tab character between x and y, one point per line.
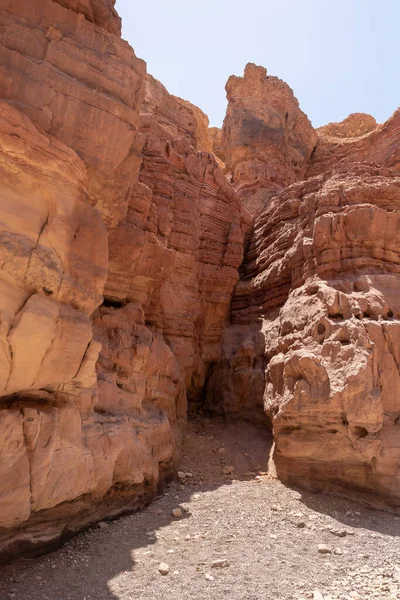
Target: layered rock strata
325	281
184	234
358	138
122	238
313	340
63	69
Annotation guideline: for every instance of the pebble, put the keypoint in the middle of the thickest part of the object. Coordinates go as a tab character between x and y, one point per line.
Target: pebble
228	470
209	577
163	568
220	563
177	512
337	532
324	549
317	595
300	524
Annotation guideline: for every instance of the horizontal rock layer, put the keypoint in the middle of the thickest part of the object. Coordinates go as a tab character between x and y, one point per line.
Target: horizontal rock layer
314	317
358	138
122	235
184	235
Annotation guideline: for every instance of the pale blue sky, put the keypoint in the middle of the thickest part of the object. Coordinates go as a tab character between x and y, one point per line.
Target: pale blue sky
339	56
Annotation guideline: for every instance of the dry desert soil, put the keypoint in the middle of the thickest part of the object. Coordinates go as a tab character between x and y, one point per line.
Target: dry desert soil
240	536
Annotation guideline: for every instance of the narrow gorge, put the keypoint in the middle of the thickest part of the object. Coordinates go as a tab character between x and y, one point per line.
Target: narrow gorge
150	263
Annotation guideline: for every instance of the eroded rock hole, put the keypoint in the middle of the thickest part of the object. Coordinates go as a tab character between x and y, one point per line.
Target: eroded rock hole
359	432
312	290
112	303
321	328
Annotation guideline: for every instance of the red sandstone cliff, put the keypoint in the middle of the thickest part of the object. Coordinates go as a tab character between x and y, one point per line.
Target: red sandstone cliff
93	397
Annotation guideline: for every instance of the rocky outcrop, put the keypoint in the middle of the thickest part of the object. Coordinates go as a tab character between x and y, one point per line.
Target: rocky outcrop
122	241
215	134
267	140
101	12
71	450
80	84
358	138
314	318
332	375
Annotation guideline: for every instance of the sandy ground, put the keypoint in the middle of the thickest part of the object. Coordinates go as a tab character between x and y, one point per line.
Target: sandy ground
266	537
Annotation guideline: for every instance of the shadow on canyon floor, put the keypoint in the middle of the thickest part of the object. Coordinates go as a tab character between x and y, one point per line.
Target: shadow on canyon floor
354	515
85	566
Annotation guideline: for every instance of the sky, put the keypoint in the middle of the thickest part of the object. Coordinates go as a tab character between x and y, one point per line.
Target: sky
339	56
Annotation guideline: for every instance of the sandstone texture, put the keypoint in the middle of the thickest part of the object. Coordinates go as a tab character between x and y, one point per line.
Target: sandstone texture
63	69
325	283
184	234
73	448
356	139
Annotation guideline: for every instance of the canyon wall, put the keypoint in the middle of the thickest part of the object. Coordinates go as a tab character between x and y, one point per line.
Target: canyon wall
120	246
315	316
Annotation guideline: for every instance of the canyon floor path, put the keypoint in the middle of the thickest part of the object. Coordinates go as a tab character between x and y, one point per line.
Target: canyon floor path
239	534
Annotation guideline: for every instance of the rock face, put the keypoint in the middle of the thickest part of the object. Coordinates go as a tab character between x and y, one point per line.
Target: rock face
313	340
71	451
77	82
121	245
326	284
93	393
267	140
101	12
